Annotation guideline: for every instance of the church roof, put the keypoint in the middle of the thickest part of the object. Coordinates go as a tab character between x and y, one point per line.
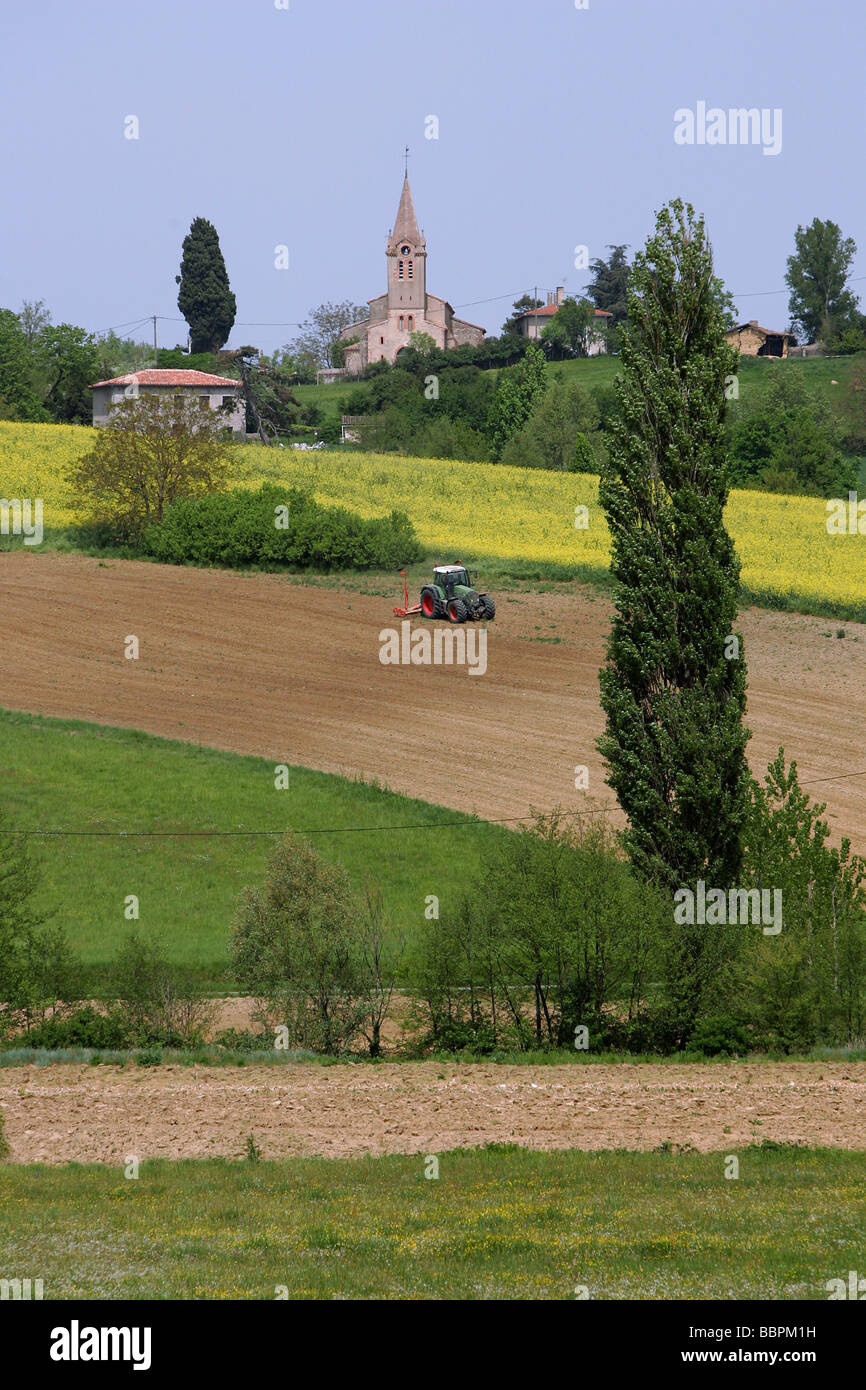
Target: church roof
406	227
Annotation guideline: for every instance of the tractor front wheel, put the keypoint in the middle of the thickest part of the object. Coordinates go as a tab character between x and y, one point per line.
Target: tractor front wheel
457	611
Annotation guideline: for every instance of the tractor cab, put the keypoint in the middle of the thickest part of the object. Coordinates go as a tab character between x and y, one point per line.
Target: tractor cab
450	576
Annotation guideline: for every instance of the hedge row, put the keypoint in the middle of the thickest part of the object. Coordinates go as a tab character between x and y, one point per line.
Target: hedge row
275	527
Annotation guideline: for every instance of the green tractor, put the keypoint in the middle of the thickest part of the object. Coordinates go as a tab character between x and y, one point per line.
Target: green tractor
452	595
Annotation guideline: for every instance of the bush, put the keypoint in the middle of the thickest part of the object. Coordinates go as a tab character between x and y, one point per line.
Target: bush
464	1036
37	966
719	1036
157	1006
275	527
556	928
244	1040
297	947
85	1027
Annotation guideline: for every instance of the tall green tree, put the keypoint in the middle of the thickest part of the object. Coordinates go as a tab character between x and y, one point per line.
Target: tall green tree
68	361
821	303
549	437
205	297
673	689
608	288
520	389
19	399
808	984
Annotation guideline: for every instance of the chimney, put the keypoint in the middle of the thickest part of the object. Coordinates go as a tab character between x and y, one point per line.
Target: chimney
560	294
753	323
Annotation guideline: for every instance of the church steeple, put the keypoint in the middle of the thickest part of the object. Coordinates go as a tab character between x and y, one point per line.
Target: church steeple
407	258
406	227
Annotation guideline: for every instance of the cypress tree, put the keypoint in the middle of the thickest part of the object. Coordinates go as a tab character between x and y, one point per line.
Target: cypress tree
673	690
205	298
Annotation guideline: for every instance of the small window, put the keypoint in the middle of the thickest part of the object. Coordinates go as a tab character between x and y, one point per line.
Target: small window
381	340
411	270
411	323
401	323
400	271
227	400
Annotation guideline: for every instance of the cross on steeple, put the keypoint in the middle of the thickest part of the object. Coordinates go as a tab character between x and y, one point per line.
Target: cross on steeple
406	158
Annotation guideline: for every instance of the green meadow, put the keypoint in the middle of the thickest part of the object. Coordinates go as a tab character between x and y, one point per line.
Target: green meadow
117	781
497	1223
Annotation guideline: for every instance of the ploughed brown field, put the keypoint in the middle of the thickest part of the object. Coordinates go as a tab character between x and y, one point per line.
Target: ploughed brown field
65	1113
257	664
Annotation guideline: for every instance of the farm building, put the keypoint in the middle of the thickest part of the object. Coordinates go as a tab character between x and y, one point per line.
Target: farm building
533	323
754	341
406	307
216	390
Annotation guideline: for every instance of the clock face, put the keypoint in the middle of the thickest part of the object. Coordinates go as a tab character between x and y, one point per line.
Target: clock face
405	250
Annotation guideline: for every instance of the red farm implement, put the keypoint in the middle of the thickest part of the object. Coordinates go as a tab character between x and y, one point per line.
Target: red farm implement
406	610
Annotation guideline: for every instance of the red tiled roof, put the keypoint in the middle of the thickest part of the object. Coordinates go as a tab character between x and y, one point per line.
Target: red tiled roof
547	309
158	376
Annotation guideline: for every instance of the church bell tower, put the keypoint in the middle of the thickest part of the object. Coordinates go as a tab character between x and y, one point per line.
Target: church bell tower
407	259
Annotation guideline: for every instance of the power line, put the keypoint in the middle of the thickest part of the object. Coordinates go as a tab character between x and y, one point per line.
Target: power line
466	304
133	323
840	777
284	830
470	303
339	829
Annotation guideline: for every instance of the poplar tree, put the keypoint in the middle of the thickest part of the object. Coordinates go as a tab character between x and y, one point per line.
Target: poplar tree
674	686
205	297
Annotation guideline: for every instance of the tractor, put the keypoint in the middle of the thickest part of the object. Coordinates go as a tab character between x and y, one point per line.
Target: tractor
451	595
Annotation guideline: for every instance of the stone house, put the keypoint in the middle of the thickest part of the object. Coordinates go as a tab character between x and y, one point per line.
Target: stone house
533	323
405	307
216	390
754	341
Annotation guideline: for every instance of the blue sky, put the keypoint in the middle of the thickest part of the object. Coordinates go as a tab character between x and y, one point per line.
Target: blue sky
286	127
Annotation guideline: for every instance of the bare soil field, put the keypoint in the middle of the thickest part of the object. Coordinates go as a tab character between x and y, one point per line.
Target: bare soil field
64	1113
256	664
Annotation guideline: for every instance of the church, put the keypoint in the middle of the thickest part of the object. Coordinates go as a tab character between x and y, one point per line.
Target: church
406	307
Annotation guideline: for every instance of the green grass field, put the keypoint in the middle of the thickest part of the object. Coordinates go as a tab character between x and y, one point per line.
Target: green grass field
497	1223
116	779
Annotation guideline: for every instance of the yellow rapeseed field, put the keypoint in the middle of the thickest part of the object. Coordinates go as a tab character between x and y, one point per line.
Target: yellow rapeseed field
478	511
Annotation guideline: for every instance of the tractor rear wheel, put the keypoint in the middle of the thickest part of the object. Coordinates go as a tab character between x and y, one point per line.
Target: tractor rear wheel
488	607
457	610
431	603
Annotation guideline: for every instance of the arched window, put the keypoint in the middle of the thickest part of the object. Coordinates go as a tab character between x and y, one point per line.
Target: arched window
411	270
411	323
401	323
400	270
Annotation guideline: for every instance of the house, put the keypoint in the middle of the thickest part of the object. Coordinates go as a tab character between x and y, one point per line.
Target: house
216	390
533	323
754	341
405	307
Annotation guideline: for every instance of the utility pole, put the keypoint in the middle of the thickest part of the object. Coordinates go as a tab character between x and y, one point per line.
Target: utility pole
155	358
535	300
